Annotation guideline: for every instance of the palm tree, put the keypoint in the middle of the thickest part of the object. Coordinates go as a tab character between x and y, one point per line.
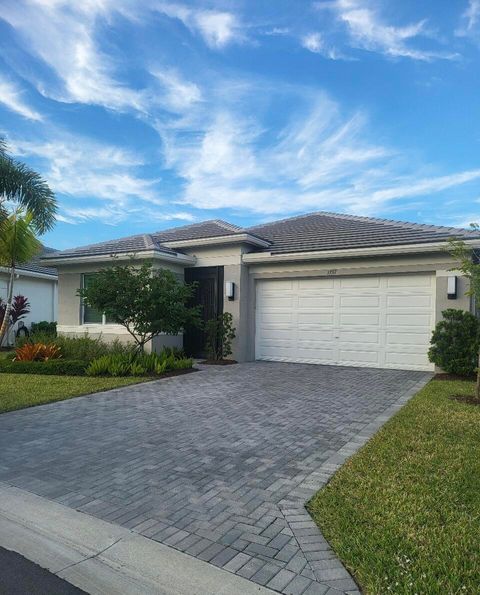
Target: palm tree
18	244
22	185
27	207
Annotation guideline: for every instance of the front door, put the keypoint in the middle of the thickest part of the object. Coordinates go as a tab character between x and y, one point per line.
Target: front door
208	295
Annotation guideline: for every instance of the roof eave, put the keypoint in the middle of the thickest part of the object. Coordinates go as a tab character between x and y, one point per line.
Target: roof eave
158	255
392	250
238	238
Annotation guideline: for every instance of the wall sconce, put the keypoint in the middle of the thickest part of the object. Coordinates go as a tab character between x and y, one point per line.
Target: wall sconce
230	290
452	288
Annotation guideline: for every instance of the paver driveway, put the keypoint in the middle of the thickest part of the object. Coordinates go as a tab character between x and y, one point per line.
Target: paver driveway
217	464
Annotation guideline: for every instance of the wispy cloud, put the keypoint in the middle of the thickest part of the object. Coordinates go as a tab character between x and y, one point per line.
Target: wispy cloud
218	28
67	45
321	158
470	20
368	31
315	43
11	96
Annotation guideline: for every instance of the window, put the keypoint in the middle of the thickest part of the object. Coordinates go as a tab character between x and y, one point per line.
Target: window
91	315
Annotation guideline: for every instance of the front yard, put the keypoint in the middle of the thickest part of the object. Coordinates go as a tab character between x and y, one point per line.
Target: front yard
25	390
404	513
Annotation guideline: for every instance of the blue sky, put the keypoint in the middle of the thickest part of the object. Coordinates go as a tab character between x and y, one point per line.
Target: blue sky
147	114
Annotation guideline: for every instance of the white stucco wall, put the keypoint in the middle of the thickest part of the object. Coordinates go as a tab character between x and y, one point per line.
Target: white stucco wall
41	293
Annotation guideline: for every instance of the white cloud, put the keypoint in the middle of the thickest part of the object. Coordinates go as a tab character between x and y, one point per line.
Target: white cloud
67	45
12	98
470	20
179	94
368	31
320	159
315	43
218	28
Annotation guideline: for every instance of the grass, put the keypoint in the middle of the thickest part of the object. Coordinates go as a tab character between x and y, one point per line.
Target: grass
404	512
6	354
26	390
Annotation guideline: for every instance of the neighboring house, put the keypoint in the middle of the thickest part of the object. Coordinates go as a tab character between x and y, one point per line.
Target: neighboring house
318	288
38	283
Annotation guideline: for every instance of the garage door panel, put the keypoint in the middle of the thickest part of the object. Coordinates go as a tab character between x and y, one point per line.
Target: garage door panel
365	282
413	338
353	356
347	336
411	320
315	284
363	319
359	301
315	318
382	321
316	301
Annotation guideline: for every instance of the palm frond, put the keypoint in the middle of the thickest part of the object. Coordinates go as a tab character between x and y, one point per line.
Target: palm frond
19	183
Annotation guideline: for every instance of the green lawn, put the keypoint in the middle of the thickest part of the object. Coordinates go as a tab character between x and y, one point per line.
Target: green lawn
404	513
26	390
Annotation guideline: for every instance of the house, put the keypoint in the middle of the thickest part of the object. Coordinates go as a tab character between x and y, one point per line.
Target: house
318	288
38	283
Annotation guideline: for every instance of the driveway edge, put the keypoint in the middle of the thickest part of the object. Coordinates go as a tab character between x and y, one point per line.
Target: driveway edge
100	557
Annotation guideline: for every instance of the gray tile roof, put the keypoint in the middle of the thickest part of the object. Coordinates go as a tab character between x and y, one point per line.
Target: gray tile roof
305	233
34	265
331	231
152	241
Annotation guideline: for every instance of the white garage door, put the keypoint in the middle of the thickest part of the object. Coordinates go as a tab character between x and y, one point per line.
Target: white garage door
382	322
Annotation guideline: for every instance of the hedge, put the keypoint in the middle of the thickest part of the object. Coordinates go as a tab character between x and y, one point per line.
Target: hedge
59	367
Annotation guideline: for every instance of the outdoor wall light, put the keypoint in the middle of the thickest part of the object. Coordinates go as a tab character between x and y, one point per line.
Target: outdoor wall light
452	288
230	290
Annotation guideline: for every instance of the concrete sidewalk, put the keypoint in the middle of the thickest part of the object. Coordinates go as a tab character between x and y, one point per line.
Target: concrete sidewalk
102	558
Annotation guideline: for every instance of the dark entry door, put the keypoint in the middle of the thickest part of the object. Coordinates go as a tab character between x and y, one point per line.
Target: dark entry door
209	295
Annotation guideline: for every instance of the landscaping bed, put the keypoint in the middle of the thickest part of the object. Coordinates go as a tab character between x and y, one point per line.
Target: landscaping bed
403	513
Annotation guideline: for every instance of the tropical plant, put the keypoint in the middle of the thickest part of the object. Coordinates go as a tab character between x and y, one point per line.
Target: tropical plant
220	334
19	309
455	342
145	301
137	364
21	185
83	348
468	264
32	352
18	244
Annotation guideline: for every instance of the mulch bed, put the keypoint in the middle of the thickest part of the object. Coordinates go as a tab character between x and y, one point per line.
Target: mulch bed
444	376
175	373
220	362
470	400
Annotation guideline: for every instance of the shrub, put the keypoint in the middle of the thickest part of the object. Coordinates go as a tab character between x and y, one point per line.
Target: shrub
37	352
80	348
139	364
455	343
60	367
220	334
47	328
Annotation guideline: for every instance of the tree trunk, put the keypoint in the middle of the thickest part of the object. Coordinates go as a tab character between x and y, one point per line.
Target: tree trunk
477	387
8	306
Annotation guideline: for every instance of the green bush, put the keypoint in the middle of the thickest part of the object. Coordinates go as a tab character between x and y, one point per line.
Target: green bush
48	328
60	367
220	334
131	364
80	348
455	343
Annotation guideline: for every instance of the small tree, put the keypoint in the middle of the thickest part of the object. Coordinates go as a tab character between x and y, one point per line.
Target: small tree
220	334
18	244
470	267
455	341
145	301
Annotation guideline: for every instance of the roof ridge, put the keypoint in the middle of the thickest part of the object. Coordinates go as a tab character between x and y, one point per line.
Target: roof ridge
180	227
227	225
382	221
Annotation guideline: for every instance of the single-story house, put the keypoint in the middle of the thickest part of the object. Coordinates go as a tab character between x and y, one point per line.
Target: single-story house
319	288
38	283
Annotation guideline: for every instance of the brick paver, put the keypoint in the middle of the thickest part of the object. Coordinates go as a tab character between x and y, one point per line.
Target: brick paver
217	464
